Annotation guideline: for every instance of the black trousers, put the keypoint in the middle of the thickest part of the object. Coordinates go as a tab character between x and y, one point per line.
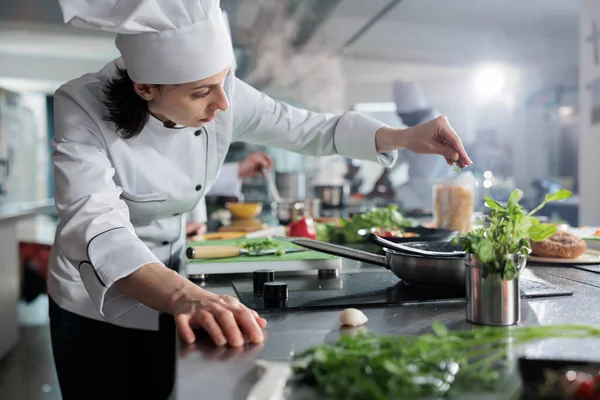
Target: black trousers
98	360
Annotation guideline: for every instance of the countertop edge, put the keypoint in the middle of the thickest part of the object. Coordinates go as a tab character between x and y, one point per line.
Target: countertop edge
16	211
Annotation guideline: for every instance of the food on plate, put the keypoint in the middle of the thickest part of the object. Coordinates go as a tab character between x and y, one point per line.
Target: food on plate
393	232
303	228
347	231
597	232
561	244
352	317
453	207
431	365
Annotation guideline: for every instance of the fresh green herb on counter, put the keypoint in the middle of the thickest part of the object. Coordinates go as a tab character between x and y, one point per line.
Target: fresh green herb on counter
367	366
258	244
507	231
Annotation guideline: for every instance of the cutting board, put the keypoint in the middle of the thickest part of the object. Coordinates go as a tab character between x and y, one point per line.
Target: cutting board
299	261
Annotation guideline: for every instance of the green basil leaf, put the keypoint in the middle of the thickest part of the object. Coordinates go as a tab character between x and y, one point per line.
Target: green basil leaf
541	232
484	250
560	195
513	200
493	204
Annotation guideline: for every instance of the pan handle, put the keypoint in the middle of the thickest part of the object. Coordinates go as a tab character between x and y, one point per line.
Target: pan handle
341	251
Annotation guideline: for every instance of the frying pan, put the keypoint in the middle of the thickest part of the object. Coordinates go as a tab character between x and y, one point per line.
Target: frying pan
428	249
411	268
424	234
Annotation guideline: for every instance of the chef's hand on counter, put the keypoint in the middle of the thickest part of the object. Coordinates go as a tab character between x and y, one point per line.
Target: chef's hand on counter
253	164
225	319
432	137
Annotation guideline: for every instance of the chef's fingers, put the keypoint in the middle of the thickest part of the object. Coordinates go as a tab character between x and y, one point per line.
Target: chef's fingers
234	304
182	322
451	138
249	324
210	325
227	321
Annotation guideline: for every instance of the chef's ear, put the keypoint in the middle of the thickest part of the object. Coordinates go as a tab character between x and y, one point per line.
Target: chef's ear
145	91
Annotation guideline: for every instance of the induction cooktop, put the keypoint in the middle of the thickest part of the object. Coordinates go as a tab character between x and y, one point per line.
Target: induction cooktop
368	289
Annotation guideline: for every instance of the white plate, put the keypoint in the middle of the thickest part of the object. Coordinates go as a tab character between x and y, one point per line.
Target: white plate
587	234
589	257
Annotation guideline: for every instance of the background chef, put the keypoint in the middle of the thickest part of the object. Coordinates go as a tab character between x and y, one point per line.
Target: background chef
136	146
228	183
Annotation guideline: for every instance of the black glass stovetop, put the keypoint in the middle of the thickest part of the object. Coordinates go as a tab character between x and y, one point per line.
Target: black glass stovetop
365	289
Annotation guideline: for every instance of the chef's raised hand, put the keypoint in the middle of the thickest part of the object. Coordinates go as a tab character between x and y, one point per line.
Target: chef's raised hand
225	319
253	164
432	137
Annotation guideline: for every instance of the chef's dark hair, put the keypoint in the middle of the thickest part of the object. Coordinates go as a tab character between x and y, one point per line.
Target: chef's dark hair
126	109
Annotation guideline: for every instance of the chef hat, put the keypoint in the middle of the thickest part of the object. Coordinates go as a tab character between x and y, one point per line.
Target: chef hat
161	41
408	97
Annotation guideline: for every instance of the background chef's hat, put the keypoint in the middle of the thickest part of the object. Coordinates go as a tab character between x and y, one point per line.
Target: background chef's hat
161	41
409	97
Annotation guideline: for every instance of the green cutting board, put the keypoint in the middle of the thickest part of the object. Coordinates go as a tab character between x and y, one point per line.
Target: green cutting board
305	260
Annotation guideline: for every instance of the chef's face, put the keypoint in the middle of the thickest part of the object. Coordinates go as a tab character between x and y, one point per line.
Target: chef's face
190	104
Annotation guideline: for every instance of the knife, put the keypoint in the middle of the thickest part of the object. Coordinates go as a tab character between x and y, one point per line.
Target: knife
275	375
210	252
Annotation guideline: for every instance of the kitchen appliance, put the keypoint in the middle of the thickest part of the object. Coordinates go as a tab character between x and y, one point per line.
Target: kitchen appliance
333	196
374	287
291	185
414	269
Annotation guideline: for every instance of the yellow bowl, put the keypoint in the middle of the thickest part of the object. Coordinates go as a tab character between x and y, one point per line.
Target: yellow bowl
244	210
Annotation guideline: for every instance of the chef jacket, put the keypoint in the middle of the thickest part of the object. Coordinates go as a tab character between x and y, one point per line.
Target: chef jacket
122	201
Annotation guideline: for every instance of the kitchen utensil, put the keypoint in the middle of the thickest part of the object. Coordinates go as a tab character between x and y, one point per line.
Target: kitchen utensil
427	249
244	210
272	186
209	252
288	210
422	234
296	261
271	384
411	268
333	196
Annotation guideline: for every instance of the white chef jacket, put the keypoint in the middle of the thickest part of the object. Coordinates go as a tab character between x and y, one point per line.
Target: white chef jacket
121	201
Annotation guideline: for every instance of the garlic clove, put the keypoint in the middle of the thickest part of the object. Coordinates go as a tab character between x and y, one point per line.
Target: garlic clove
352	317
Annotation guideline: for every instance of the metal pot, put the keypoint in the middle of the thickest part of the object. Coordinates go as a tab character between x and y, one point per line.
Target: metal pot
291	185
287	210
491	300
333	196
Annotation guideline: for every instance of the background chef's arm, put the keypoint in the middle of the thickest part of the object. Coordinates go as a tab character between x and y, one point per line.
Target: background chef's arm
261	120
96	235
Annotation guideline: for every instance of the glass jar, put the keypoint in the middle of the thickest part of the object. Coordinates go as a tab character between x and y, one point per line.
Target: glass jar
453	205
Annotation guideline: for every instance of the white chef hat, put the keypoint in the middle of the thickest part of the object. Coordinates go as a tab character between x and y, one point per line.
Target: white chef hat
161	41
408	97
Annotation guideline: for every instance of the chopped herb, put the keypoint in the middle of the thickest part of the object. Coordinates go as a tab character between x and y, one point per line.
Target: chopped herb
280	252
367	366
258	244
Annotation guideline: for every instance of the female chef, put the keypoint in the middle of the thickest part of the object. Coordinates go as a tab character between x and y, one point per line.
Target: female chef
136	146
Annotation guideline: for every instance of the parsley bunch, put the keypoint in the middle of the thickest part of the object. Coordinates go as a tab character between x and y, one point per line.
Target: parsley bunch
438	364
507	231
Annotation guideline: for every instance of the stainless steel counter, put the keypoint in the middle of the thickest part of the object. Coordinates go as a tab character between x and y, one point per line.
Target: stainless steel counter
212	373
